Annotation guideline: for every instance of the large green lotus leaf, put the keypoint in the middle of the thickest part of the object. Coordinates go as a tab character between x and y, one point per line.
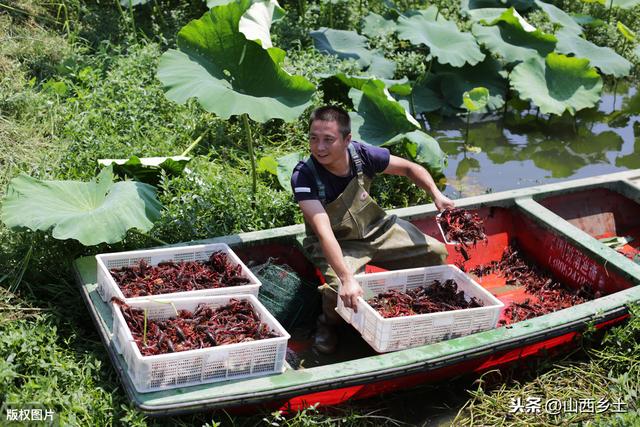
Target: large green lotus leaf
588	20
624	4
520	5
381	67
488	14
128	3
286	164
228	74
605	58
559	16
422	149
90	212
626	32
486	74
377	26
256	22
399	87
380	117
214	3
558	84
427	94
343	44
445	41
513	38
147	169
351	45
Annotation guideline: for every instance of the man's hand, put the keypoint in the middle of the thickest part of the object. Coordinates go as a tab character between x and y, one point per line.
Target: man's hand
442	202
350	290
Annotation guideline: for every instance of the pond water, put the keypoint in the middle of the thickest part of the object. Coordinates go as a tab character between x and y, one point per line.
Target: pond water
522	149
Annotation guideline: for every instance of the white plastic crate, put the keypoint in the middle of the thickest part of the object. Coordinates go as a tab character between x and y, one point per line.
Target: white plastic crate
411	331
207	365
108	288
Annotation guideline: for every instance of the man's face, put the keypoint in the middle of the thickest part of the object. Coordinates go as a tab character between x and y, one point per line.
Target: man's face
326	142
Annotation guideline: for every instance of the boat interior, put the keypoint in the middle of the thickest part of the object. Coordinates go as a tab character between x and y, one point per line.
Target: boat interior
542	248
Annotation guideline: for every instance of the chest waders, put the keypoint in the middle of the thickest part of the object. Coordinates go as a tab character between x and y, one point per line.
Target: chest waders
366	234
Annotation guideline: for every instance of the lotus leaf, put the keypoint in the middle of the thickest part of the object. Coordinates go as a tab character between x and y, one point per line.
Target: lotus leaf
602	2
487	14
268	164
427	94
513	38
520	5
132	3
624	4
399	87
486	74
147	169
588	20
216	62
626	32
443	38
558	84
559	16
606	59
286	164
476	99
380	117
99	211
422	149
214	3
377	26
351	45
256	22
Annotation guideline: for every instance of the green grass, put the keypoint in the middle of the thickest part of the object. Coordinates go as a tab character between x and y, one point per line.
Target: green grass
611	372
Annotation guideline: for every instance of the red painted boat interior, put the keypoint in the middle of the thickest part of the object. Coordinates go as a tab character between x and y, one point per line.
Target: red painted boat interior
600	213
542	246
503	226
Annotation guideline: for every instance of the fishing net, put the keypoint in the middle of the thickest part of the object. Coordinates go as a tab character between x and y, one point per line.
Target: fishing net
293	301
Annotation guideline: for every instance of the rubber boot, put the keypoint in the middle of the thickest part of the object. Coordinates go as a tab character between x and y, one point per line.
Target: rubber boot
326	338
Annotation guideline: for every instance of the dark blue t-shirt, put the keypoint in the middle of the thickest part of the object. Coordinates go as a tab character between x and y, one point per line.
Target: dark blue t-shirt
374	160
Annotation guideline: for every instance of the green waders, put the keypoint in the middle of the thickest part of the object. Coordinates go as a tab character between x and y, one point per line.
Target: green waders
367	234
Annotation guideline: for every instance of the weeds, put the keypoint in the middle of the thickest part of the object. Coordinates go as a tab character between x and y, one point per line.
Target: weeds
611	374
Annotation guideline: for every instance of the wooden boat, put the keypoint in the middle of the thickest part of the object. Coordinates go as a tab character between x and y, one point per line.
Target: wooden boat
557	227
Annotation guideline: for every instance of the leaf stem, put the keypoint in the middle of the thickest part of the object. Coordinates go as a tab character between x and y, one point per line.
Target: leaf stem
254	185
466	136
133	22
193	144
33	15
24	263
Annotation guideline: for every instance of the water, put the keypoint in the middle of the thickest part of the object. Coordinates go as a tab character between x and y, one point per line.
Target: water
522	149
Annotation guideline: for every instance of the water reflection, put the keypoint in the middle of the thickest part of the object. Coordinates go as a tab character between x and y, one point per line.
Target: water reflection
523	148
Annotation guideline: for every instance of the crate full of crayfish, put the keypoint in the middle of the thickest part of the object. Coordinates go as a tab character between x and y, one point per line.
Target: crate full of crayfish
408	308
187	271
180	342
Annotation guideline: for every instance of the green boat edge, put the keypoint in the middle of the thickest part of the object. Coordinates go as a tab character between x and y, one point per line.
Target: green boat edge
415	360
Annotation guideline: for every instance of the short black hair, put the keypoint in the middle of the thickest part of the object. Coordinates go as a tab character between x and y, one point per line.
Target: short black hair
332	113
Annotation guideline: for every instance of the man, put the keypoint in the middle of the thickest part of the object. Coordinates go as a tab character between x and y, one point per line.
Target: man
345	228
